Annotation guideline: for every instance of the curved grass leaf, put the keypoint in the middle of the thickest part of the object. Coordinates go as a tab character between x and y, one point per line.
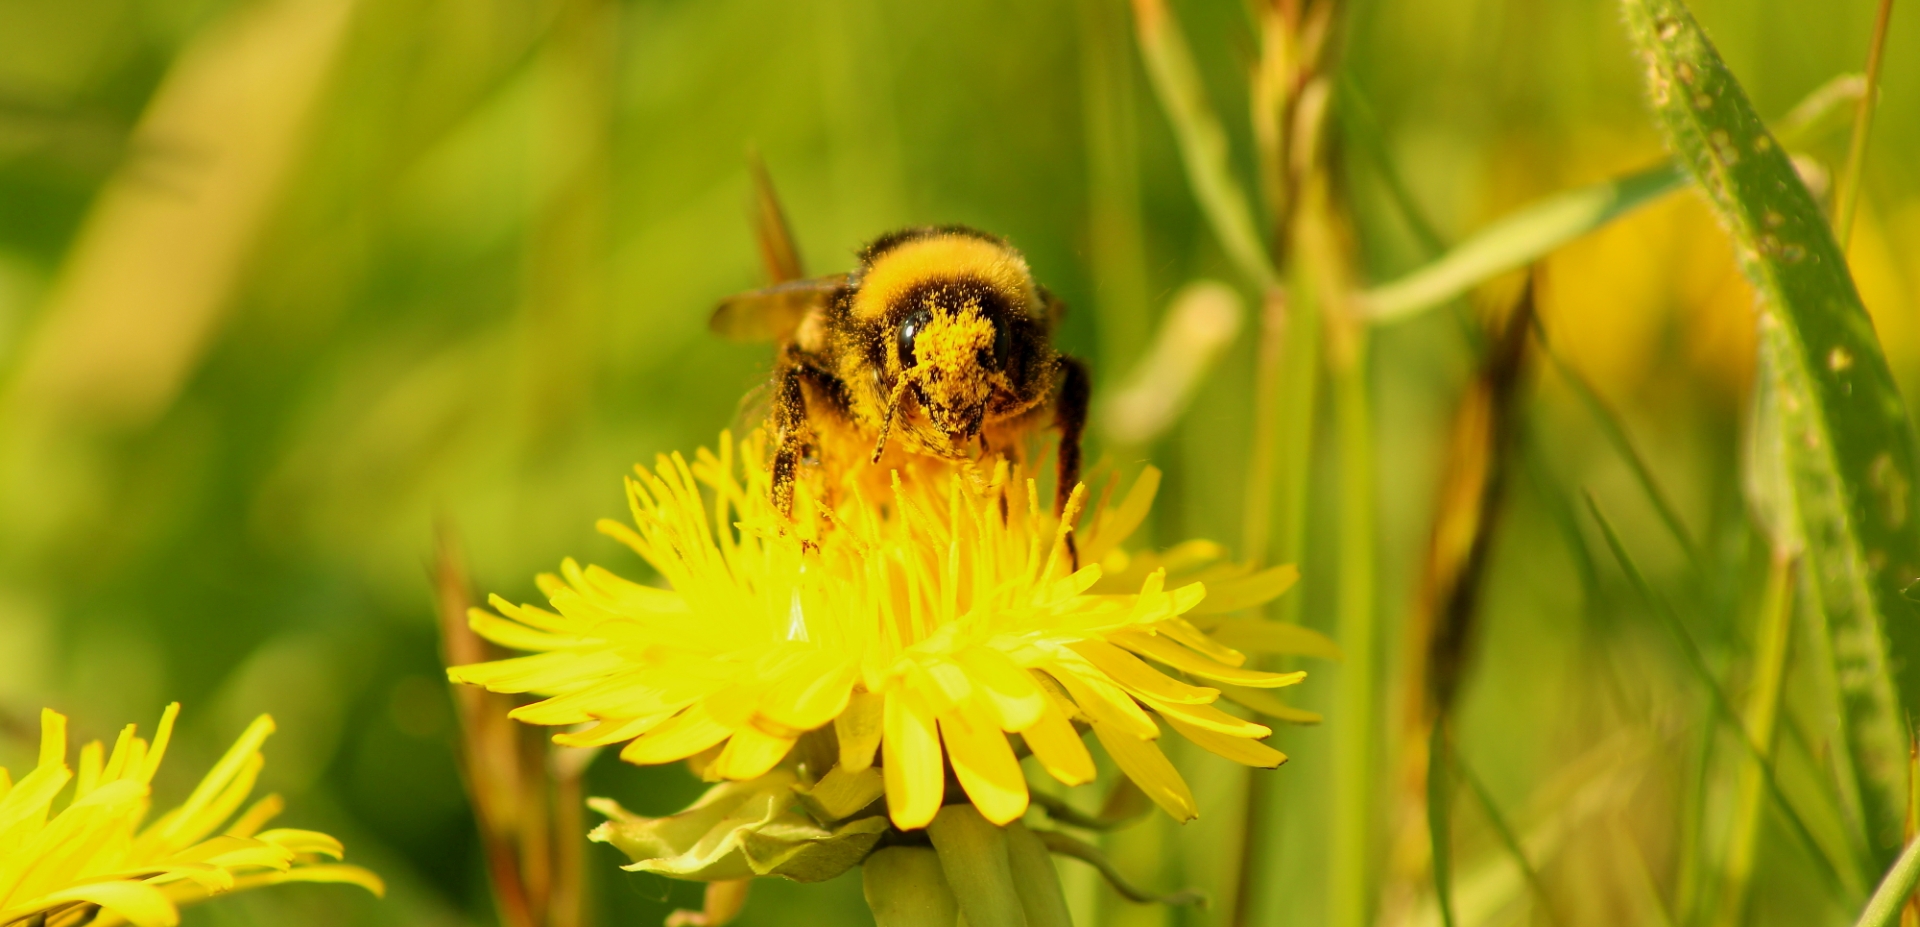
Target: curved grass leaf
1847	443
1883	909
1203	143
1530	232
1517	239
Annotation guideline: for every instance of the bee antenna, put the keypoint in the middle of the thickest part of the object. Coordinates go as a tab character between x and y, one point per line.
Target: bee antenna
886	423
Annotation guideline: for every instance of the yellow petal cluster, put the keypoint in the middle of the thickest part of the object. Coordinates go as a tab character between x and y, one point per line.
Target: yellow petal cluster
928	630
94	864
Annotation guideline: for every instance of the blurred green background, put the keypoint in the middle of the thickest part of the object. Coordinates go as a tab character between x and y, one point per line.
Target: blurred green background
285	283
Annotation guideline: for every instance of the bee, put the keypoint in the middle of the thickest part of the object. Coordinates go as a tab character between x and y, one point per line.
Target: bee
939	343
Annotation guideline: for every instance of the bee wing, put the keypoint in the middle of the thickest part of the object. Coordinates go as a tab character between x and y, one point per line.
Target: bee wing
770	230
771	314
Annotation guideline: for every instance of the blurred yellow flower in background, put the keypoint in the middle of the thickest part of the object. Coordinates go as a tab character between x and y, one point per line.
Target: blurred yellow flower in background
926	628
93	863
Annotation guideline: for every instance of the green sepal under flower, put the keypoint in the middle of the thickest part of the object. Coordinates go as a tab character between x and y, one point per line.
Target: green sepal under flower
739	830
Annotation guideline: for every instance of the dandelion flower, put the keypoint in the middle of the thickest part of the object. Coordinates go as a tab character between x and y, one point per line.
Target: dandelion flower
926	631
93	863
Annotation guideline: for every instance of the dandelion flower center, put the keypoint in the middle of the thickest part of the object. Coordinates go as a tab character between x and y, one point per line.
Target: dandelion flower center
920	627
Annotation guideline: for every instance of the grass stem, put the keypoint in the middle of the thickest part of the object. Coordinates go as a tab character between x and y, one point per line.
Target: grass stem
1351	841
1883	909
1841	876
1847	195
1763	713
1202	142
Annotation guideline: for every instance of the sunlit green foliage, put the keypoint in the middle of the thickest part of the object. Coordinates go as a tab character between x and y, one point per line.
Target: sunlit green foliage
286	283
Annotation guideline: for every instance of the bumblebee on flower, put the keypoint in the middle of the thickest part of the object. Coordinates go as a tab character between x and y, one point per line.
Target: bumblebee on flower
879	659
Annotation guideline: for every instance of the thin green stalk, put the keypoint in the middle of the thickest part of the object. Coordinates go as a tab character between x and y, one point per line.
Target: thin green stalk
1566	521
1841	876
1116	235
1633	866
1508	838
1288	477
1268	398
1299	407
1353	799
1847	194
1690	886
1440	817
1883	909
1363	128
1763	713
1202	142
1615	432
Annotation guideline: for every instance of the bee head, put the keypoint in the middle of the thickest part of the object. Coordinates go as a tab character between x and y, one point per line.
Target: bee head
954	315
951	349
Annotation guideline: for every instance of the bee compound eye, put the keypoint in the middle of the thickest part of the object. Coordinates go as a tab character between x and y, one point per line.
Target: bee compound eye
1002	344
910	328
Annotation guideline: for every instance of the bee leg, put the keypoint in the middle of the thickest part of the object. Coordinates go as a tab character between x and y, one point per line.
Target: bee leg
1070	416
790	434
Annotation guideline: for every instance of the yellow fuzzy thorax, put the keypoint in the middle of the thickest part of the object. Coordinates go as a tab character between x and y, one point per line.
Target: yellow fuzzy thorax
948	255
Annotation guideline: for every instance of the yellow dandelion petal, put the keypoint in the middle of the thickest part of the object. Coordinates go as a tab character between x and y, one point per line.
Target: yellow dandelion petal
749	753
93	861
1015	700
1143	762
603	733
1137	677
984	763
814	692
1105	703
1183	631
858	729
516	634
936	626
686	734
1058	748
911	761
1209	718
1238	749
1166	651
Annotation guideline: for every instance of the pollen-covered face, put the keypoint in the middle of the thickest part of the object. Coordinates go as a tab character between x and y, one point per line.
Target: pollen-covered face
956	340
951	352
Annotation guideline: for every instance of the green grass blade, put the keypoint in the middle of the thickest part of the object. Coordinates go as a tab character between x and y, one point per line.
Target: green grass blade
1848	443
1615	432
1440	818
1202	142
1847	194
1508	838
1883	909
1516	240
1363	129
1841	876
1536	229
